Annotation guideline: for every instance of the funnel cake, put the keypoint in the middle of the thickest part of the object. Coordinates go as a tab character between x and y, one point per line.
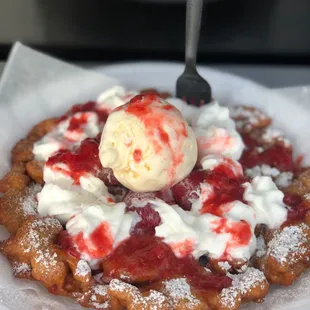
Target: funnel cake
230	253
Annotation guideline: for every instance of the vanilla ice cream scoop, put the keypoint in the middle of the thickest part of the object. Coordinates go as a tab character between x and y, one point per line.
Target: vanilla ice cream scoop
148	144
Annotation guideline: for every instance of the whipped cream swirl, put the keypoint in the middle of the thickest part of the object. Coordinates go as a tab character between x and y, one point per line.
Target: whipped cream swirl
98	228
85	124
266	200
190	233
62	137
61	198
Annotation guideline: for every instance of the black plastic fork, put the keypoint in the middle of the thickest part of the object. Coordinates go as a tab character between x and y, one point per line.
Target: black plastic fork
190	86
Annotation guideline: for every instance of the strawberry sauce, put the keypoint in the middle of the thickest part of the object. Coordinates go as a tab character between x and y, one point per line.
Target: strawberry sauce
98	244
83	161
187	190
65	241
76	122
277	155
148	259
240	233
79	163
79	116
225	190
90	106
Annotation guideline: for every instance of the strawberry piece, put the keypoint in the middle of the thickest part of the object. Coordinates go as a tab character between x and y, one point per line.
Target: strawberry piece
166	195
297	208
279	157
133	199
292	200
107	176
186	190
276	156
65	241
149	220
139	203
80	162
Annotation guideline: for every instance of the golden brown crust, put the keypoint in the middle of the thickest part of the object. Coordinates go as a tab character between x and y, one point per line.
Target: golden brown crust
14	180
98	297
41	129
301	185
34	235
22	151
16	206
22	157
287	254
34	245
35	171
249	119
19	167
223	267
159	298
249	286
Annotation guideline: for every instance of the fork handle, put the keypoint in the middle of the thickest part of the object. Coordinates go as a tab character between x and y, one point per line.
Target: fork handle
193	21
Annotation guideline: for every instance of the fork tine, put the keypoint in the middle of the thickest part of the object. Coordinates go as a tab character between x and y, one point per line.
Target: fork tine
190	85
193	89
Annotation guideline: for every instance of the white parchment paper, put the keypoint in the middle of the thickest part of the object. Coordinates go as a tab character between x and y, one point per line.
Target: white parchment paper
35	86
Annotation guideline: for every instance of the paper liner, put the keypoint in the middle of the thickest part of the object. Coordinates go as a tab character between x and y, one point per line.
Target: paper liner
35	87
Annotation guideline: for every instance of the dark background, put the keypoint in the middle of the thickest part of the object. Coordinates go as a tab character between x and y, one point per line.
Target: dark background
233	31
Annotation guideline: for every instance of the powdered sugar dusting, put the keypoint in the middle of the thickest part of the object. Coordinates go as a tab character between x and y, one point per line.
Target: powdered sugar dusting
37	242
46	258
119	286
178	289
40	225
29	203
287	245
247	118
307	196
99	290
82	268
272	134
21	268
97	297
242	284
156	299
230	297
248	280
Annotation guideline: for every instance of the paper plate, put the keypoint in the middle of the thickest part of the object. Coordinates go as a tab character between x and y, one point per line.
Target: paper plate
45	95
